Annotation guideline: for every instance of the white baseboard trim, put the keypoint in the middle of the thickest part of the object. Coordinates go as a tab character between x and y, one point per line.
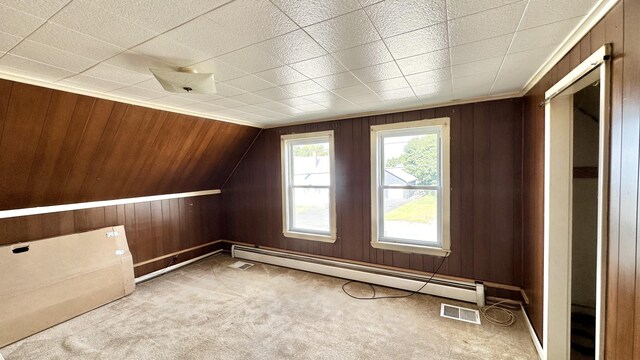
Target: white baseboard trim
459	290
534	337
157	273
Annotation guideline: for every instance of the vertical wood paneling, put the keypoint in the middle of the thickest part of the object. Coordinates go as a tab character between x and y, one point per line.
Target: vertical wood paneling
59	148
486	148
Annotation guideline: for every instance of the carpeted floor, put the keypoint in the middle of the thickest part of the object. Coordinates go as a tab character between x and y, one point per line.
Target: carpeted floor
210	311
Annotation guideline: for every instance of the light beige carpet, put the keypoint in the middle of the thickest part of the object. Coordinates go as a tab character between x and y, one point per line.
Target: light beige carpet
210	311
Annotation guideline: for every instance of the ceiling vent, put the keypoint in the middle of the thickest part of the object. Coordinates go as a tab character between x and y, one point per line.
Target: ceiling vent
460	313
185	81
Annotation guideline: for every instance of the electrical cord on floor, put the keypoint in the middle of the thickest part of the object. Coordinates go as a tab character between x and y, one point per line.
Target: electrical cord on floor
490	313
374	297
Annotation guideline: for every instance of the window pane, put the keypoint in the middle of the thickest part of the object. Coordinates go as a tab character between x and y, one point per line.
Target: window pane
311	164
411	215
311	210
411	159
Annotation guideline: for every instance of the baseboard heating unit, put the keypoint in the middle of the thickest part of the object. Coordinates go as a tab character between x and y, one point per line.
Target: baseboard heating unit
468	291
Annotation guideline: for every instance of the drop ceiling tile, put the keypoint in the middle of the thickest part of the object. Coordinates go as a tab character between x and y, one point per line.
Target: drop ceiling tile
8	41
388	84
364	55
295	102
322	97
170	52
138	93
311	107
542	36
198	97
52	56
40	8
353	91
274	93
221	70
419	41
224	89
293	47
378	72
429	77
519	67
477	67
404	93
153	84
303	88
18	23
86	17
117	74
226	103
480	50
318	67
173	100
246	22
344	32
307	12
433	89
203	107
365	99
281	76
396	17
162	15
459	8
541	12
365	3
473	86
137	62
251	59
273	105
72	41
92	84
249	99
250	83
337	81
22	66
487	24
425	62
200	34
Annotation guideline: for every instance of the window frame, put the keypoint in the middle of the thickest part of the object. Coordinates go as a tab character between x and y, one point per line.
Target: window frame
286	142
378	132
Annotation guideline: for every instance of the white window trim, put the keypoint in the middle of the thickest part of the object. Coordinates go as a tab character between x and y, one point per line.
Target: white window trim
444	219
286	229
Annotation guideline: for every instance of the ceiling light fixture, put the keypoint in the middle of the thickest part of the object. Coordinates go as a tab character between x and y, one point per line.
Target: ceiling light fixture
185	81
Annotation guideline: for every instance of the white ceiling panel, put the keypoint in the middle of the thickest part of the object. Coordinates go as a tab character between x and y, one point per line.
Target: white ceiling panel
307	12
344	32
542	12
74	42
41	8
86	17
318	67
487	24
480	50
283	61
18	23
460	8
393	17
419	41
364	55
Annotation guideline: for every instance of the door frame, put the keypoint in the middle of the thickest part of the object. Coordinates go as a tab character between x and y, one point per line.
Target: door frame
558	205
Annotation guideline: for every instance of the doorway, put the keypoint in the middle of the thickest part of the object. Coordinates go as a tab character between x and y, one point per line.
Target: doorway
576	188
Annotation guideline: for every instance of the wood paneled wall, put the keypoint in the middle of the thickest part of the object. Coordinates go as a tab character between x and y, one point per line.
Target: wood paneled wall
485	180
621	29
57	148
153	228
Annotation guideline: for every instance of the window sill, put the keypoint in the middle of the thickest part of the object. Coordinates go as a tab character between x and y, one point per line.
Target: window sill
308	236
413	249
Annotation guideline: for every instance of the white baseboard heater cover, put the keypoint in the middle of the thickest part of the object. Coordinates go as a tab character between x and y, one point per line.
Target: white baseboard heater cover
459	290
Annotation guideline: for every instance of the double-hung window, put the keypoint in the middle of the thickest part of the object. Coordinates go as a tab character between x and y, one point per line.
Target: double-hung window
308	186
410	186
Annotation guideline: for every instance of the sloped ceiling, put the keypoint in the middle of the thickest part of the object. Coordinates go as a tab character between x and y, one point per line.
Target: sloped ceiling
58	147
287	61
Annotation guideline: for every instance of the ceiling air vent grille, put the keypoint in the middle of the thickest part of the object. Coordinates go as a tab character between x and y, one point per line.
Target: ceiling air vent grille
240	265
460	313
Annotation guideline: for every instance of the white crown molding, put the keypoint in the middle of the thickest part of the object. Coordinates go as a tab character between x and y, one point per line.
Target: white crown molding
94	204
72	89
593	17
